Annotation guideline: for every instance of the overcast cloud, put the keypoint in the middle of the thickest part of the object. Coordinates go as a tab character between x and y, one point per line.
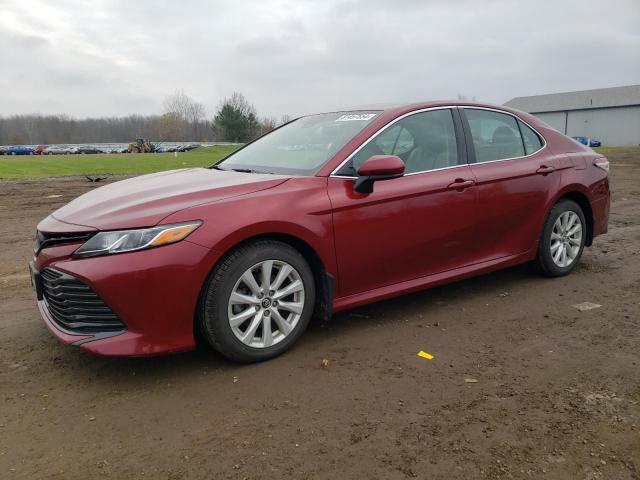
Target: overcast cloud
102	58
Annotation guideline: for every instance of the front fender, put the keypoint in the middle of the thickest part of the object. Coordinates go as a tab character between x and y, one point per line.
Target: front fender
298	208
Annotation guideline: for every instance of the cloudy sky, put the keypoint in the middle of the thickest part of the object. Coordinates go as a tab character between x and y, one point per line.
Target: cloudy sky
101	57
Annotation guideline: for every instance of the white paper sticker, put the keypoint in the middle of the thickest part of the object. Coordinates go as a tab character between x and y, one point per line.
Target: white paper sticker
356	117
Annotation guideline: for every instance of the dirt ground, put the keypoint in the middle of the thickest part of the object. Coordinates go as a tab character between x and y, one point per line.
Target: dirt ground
522	385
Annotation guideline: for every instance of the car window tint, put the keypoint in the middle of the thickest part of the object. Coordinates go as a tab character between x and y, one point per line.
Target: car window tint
532	142
424	141
495	135
396	140
393	141
302	146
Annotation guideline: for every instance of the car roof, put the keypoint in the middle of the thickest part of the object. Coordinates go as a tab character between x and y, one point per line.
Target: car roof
390	112
395	109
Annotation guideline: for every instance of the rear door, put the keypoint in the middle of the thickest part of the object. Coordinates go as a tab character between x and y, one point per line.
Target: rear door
515	177
409	227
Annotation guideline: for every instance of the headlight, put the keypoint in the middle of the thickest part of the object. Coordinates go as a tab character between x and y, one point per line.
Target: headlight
120	241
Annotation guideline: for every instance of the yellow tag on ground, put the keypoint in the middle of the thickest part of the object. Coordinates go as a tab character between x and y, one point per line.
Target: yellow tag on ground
426	355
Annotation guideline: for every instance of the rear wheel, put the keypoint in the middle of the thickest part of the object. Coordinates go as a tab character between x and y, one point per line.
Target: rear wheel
257	302
563	239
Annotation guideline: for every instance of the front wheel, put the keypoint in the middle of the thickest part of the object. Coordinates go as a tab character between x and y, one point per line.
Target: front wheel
563	239
257	302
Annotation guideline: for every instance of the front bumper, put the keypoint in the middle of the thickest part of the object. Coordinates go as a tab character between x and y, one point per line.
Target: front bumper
153	292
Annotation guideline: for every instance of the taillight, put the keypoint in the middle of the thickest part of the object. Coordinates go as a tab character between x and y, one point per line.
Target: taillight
602	163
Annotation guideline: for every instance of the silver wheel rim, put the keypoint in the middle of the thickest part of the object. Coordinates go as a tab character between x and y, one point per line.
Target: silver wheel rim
566	239
266	303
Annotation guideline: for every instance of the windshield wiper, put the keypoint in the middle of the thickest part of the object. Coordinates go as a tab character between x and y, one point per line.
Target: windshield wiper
249	170
241	170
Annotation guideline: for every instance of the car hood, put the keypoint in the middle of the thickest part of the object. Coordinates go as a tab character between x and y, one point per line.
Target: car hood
144	201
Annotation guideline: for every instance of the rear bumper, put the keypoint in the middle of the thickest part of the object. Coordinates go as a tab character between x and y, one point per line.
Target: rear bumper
154	292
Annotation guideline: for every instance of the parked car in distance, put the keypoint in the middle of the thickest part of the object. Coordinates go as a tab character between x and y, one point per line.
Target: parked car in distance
187	147
112	149
589	142
88	149
55	150
325	213
3	150
164	149
19	150
39	150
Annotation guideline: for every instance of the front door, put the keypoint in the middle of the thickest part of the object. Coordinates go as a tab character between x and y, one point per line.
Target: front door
410	227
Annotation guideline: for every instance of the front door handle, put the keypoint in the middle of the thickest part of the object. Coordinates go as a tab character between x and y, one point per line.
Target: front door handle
460	184
544	170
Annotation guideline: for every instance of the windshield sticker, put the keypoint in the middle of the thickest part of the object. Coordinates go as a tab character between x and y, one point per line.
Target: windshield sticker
356	117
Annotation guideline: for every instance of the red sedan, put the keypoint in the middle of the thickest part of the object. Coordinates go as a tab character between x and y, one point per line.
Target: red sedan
327	212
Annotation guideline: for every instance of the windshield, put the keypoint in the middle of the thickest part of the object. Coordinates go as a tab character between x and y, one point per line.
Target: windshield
300	147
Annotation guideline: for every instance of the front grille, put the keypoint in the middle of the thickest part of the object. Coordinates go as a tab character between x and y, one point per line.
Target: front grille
74	306
44	240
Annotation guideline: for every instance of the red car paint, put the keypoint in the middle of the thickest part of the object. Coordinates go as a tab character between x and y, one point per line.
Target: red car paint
412	232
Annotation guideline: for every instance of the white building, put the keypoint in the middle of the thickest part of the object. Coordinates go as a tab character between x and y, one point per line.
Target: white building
611	115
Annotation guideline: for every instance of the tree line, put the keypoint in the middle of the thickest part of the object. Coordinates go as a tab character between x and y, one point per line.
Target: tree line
183	119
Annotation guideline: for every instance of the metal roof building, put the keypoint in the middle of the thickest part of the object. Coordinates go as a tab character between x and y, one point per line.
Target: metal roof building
611	115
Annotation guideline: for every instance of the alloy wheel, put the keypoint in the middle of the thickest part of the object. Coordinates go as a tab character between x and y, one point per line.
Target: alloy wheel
566	239
266	303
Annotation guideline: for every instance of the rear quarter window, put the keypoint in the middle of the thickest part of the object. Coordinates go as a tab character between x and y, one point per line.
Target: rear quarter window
532	141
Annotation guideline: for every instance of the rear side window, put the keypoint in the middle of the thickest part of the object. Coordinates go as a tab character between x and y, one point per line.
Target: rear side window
532	142
495	135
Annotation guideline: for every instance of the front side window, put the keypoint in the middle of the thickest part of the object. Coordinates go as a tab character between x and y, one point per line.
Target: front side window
495	135
424	141
301	147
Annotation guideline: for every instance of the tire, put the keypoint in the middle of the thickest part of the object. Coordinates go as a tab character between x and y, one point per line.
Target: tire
554	239
241	342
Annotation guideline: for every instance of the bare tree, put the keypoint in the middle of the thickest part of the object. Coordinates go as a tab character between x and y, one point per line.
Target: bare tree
196	118
61	129
29	126
239	103
187	117
169	127
285	119
266	125
177	103
182	119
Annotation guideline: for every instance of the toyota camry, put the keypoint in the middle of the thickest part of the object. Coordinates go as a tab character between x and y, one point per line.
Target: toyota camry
327	212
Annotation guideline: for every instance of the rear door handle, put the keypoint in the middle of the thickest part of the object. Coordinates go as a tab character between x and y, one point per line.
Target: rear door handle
544	170
460	184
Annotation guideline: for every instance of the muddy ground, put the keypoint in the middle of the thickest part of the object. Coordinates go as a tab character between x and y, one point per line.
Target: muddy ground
557	392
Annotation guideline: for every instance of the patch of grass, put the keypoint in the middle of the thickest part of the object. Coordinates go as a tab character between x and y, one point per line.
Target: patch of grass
36	166
605	150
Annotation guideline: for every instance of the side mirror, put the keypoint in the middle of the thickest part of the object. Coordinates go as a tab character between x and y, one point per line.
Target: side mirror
378	167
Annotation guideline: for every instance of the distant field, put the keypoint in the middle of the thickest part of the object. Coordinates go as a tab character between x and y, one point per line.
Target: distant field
36	166
605	150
